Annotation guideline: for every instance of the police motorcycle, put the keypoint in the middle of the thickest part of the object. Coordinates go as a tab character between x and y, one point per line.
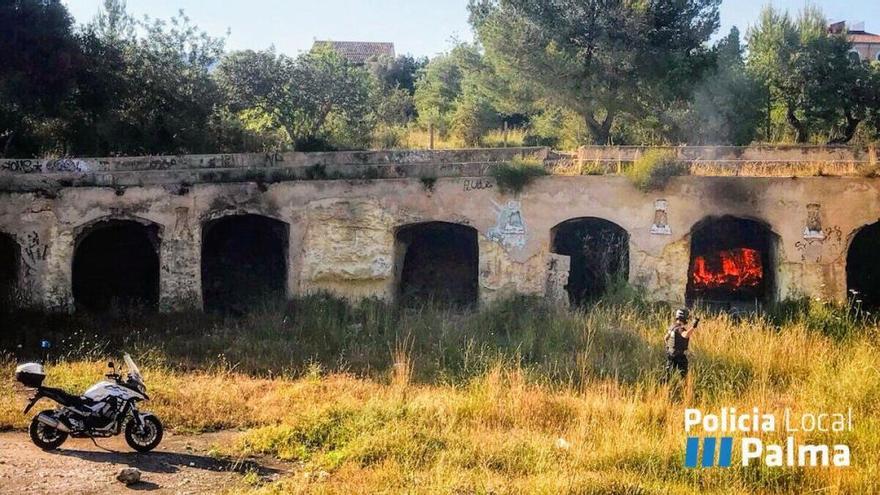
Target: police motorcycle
106	409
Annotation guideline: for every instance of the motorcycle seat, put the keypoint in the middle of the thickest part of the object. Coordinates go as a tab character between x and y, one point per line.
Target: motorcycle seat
66	399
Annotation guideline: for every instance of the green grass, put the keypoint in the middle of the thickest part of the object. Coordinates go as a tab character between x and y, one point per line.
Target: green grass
516	175
517	397
653	170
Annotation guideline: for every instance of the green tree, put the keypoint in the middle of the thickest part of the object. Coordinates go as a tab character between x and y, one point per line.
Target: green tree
870	95
397	73
439	86
319	97
146	87
809	74
40	57
599	58
728	103
461	93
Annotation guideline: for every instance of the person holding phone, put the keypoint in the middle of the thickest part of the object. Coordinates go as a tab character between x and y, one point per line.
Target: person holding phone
677	339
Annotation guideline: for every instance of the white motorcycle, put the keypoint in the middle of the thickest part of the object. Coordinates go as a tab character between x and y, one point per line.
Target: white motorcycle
106	409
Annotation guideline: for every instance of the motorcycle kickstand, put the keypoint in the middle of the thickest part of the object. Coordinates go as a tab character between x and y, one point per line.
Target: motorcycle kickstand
100	447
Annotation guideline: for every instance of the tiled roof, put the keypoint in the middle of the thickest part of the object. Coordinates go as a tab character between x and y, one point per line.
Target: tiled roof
358	52
863	37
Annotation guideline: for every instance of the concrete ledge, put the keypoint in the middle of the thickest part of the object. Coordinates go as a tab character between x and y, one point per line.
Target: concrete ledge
256	160
759	153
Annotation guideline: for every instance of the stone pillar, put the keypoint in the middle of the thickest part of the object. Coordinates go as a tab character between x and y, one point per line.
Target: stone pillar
56	273
180	256
558	269
500	275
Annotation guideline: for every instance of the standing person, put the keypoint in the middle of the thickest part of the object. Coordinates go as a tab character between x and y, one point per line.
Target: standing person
677	339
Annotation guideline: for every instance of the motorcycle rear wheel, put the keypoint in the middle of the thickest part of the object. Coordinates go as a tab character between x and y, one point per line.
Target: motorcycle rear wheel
44	436
146	440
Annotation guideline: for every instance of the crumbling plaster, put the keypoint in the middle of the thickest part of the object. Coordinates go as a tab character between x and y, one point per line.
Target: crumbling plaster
342	232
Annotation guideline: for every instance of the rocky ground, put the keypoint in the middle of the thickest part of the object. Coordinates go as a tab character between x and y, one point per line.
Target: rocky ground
181	465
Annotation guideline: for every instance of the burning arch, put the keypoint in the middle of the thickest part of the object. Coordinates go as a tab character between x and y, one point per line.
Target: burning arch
598	250
10	267
437	261
116	264
732	262
863	268
244	262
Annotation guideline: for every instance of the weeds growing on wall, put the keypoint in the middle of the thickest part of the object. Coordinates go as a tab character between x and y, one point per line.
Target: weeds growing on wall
514	176
428	183
653	170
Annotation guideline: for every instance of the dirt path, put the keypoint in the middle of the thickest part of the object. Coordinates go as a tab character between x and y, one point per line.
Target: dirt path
180	465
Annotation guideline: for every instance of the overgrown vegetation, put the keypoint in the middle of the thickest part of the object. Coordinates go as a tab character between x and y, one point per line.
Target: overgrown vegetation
518	397
653	170
514	176
117	85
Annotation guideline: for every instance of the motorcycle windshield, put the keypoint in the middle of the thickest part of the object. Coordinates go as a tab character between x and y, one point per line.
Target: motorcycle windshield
133	371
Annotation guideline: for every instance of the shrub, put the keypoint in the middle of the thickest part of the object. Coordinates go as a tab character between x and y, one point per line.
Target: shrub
428	183
517	174
653	170
389	137
592	168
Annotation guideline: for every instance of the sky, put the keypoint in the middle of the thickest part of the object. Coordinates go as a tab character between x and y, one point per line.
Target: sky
418	27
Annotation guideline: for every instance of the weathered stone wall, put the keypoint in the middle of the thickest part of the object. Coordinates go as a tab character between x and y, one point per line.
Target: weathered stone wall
759	153
342	231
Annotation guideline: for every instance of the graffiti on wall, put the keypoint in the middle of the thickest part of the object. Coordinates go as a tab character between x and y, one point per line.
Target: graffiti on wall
557	267
818	240
21	166
35	252
50	166
510	228
477	184
66	165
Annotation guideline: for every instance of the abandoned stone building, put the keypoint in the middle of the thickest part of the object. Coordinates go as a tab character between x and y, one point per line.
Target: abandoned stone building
211	231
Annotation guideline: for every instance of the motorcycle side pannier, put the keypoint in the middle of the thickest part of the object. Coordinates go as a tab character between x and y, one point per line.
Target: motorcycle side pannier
30	374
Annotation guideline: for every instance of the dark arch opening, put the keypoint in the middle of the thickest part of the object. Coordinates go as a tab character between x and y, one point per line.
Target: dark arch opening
116	265
10	266
732	263
438	262
599	255
863	267
244	263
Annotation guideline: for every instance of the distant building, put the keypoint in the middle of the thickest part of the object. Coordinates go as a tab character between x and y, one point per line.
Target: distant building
358	52
865	45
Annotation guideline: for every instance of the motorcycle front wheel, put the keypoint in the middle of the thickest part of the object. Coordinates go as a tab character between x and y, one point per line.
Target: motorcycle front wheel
146	439
44	436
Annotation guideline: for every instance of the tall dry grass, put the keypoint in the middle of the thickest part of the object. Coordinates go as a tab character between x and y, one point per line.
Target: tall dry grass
519	397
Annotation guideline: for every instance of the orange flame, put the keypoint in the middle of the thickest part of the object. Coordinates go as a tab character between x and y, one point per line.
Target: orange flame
733	268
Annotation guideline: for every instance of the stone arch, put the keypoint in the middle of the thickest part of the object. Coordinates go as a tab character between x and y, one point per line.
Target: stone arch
598	250
10	271
244	262
437	262
733	263
116	264
863	266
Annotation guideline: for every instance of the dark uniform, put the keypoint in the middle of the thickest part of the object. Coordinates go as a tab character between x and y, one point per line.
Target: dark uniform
676	350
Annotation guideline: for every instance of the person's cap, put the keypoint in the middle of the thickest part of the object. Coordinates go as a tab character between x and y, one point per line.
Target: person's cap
682	314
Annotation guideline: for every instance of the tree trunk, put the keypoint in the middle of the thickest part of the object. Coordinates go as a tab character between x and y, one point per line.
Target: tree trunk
601	132
849	131
7	145
799	127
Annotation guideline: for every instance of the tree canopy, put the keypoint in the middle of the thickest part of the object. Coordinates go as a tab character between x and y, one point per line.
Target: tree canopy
599	58
558	72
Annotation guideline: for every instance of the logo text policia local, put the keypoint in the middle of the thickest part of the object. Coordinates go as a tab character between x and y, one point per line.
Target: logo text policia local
754	449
